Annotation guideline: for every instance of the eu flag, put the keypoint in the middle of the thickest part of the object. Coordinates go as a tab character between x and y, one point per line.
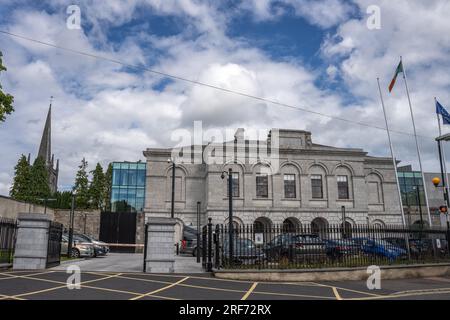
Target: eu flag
445	115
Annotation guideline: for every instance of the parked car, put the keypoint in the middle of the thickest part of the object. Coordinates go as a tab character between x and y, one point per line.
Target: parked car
100	248
79	248
189	243
380	248
244	252
295	245
190	246
337	248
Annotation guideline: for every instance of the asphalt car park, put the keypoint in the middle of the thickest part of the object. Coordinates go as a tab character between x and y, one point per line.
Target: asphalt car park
51	285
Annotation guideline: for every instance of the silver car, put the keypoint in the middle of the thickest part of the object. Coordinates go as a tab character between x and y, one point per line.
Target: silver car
79	248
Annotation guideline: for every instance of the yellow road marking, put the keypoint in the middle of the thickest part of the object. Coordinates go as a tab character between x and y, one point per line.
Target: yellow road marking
159	290
5	297
12	276
124	291
184	284
336	294
249	291
390	296
293	295
59	287
346	289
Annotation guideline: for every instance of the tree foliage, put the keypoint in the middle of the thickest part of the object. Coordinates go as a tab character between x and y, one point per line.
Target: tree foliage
108	187
38	187
21	184
6	100
63	200
81	186
97	188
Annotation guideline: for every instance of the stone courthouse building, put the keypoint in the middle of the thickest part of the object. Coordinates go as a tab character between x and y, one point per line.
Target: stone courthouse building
283	179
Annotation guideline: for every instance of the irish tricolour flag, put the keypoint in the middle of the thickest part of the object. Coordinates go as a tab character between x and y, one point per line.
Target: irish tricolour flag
397	71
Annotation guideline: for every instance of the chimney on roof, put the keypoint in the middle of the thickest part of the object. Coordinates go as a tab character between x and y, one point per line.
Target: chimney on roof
239	135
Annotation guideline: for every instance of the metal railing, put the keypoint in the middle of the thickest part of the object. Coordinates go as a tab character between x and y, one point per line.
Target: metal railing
8	231
310	247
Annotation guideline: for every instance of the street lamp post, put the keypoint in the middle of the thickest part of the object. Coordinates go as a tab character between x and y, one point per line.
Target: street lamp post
172	210
230	212
45	200
71	218
198	232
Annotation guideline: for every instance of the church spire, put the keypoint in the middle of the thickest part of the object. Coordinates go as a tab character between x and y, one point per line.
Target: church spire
45	148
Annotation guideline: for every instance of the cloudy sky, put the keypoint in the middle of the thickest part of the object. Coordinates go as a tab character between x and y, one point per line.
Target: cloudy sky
317	55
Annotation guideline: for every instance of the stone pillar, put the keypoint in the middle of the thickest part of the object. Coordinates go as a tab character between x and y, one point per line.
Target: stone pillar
32	241
160	255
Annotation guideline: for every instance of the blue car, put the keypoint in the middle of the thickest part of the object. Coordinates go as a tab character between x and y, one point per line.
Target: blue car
380	248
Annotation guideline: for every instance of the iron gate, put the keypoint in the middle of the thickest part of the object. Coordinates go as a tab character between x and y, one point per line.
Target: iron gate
54	244
118	228
8	231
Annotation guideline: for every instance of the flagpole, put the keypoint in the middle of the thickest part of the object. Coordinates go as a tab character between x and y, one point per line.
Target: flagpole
443	151
394	161
417	143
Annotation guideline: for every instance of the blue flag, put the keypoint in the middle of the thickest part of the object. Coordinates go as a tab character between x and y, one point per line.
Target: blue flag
445	115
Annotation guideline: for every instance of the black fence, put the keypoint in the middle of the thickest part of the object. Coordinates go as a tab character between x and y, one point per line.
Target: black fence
306	247
8	231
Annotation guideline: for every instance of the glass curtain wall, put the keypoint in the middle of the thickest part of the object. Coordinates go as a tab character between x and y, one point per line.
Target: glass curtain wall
128	187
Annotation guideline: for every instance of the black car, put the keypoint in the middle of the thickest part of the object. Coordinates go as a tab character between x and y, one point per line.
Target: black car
289	245
338	248
244	252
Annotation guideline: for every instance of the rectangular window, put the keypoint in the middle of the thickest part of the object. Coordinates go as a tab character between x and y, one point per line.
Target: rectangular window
289	186
342	183
262	186
316	187
235	184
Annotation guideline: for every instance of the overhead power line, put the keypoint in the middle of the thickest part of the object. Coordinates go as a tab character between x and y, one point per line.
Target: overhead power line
175	77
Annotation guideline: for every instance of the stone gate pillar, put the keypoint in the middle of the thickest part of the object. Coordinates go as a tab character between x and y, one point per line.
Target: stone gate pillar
32	241
160	250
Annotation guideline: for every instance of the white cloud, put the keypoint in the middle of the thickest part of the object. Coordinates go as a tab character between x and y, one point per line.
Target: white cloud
104	112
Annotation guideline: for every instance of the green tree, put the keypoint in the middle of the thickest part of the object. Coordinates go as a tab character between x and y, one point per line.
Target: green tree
63	200
97	188
81	186
6	100
21	184
108	188
39	188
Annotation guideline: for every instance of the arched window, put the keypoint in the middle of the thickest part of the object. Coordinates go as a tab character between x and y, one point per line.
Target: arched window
319	227
262	225
291	225
374	189
347	230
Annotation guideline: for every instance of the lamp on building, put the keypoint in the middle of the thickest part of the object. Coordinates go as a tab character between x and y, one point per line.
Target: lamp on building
230	211
172	210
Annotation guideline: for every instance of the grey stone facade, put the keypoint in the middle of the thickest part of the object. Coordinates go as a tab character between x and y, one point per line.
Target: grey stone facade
372	189
32	242
160	255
